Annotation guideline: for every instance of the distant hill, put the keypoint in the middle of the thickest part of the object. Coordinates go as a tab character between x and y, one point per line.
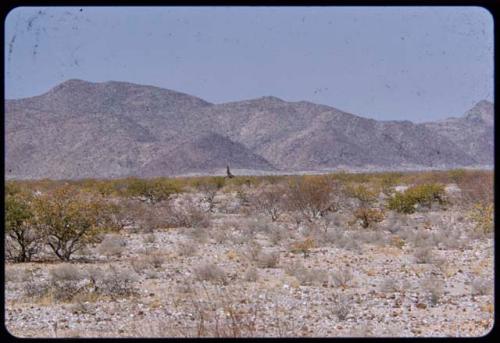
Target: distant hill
114	129
472	133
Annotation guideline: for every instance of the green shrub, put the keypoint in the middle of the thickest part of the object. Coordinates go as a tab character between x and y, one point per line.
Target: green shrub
362	193
154	190
401	203
424	195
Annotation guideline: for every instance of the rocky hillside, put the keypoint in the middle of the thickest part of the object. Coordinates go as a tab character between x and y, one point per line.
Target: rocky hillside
472	133
114	129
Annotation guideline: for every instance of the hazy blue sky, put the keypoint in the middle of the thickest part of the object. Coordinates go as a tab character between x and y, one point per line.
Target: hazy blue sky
406	63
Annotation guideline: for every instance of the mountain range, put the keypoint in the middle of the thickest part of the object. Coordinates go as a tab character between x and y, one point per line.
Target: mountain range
81	129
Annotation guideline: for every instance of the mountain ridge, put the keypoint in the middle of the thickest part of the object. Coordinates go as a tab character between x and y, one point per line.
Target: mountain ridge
113	129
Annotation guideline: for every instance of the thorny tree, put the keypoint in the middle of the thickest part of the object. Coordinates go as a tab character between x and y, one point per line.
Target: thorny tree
312	196
23	239
70	220
271	200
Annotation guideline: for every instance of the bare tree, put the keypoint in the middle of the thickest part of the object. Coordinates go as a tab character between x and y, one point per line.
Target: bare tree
270	201
312	196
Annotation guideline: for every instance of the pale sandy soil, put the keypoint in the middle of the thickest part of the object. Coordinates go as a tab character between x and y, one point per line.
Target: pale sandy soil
386	291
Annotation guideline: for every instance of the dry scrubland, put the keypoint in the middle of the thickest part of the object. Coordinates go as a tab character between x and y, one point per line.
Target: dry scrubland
388	254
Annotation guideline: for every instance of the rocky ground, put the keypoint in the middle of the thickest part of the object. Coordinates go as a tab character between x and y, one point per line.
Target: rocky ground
424	274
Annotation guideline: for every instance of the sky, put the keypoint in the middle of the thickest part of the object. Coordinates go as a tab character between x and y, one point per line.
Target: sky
386	63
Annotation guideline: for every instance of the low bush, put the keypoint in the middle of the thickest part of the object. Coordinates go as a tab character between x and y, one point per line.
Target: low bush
112	245
481	286
130	214
434	288
188	215
140	264
332	235
187	248
342	277
306	276
368	216
243	197
362	193
36	289
277	234
252	251
238	319
267	259
341	307
423	255
482	215
397	242
197	234
115	283
152	190
149	238
420	238
423	195
251	274
66	272
208	197
155	259
254	225
210	272
303	246
65	282
220	235
476	188
391	285
387	182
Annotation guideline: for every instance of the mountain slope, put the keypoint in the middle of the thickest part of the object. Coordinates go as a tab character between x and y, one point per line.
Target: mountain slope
207	153
471	133
306	136
115	129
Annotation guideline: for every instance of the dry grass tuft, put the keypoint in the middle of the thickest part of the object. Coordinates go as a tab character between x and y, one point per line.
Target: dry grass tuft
210	272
